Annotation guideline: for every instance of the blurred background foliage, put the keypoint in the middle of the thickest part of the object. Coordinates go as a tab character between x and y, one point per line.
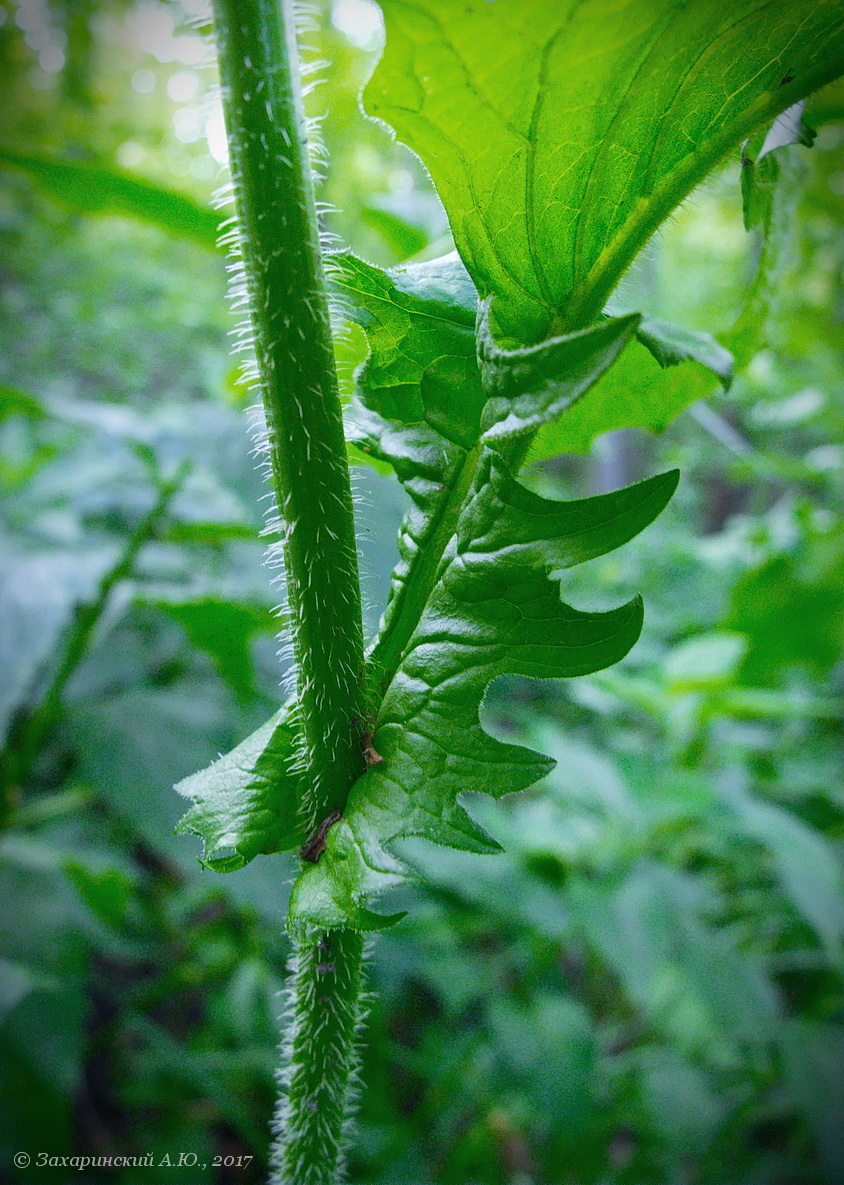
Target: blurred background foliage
646	987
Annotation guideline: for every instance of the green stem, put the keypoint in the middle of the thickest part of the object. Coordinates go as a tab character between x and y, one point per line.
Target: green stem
315	1101
285	283
288	303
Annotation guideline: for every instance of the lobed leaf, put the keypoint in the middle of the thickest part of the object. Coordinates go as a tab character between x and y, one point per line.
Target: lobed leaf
422	368
418	402
470	597
423	390
493	611
560	134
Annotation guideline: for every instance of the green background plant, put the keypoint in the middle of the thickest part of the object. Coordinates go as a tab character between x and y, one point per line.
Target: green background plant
695	820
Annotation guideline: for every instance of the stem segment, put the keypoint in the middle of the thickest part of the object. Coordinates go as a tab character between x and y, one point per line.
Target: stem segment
288	303
285	283
316	1088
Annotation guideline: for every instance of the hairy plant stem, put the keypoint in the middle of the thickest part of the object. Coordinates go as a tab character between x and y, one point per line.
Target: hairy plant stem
317	1078
285	286
291	336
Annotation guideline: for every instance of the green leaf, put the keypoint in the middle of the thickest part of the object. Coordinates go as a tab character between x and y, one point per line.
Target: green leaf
792	611
224	630
133	745
248	801
419	406
422	368
561	134
106	892
43	1036
706	662
772	186
549	1051
681	1103
422	373
19	403
97	189
813	1055
806	866
423	400
493	611
403	237
534	385
16	982
760	171
652	931
476	550
39	594
636	393
673	344
421	396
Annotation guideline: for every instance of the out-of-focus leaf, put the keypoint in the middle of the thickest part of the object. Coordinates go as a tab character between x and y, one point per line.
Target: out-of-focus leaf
560	135
681	1101
17	981
807	867
792	618
133	746
704	663
202	1072
106	893
550	1052
652	932
101	189
493	884
38	595
404	238
760	167
771	194
814	1063
19	403
223	629
42	1034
